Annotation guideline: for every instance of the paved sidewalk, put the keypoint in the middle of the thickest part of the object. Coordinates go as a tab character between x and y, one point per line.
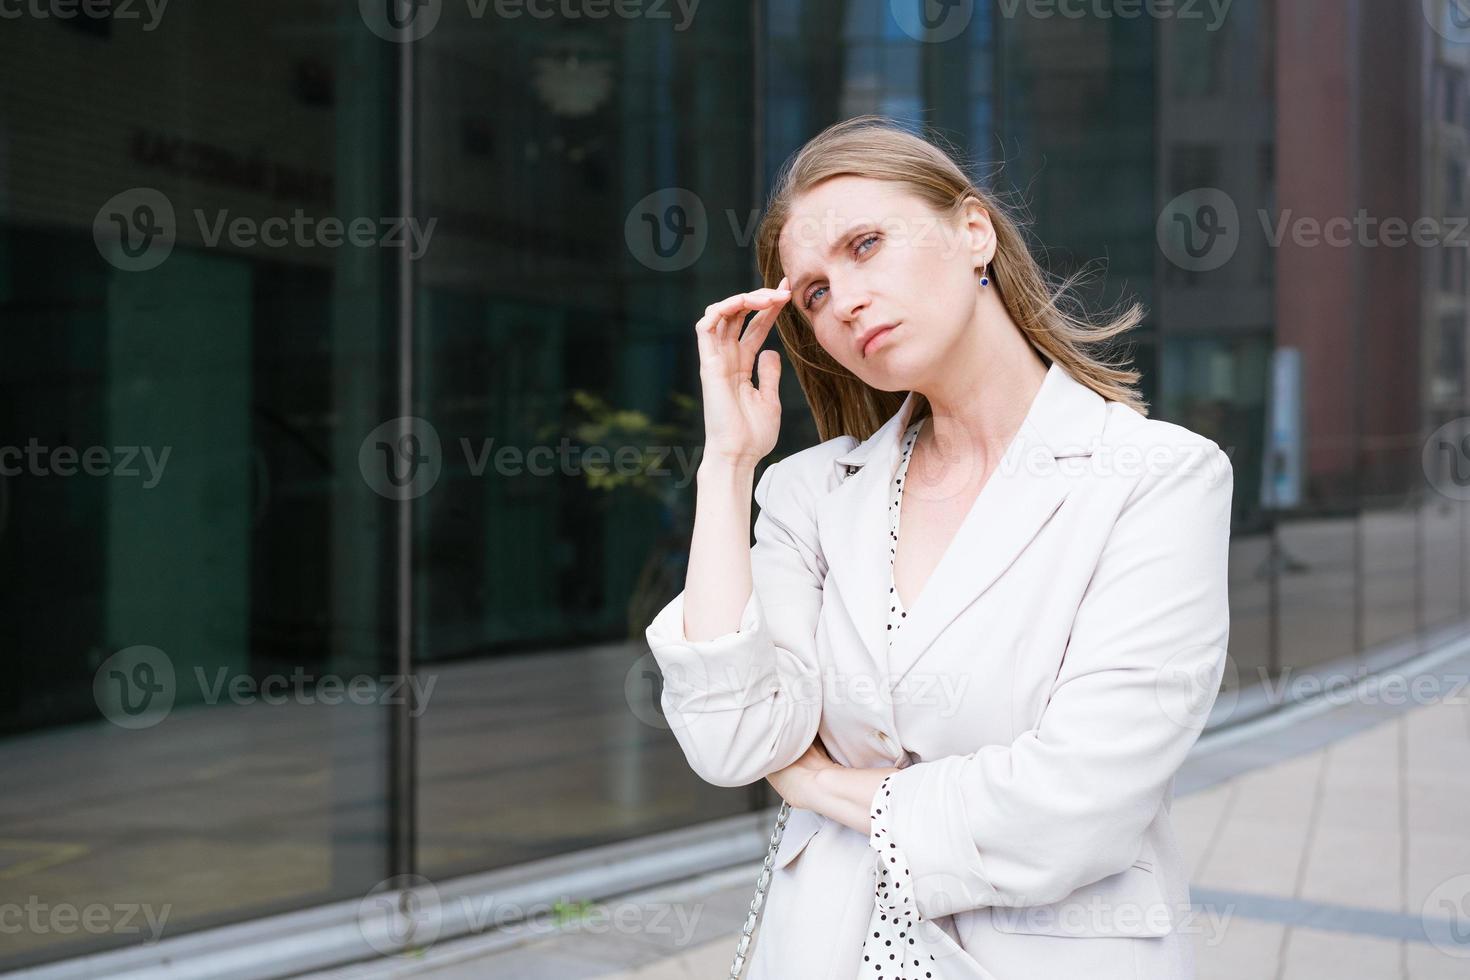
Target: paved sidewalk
1328	845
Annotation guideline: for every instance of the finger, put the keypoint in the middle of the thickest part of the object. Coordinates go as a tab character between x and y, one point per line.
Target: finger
741	303
766	316
767	303
723	321
706	341
756	332
729	325
750	342
719	317
768	377
755	299
713	330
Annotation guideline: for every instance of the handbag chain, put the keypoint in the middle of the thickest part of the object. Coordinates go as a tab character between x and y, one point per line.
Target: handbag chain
761	882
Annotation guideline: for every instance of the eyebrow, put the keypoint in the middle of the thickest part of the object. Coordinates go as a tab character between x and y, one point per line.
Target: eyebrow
842	239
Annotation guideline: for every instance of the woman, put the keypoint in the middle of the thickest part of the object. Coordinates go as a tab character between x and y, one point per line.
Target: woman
976	721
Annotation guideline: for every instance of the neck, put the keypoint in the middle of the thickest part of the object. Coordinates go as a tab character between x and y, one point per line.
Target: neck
983	393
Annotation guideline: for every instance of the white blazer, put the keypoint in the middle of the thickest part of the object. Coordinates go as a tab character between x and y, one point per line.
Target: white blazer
1046	687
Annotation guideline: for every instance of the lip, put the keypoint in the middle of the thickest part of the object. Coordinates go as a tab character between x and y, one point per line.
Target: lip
871	339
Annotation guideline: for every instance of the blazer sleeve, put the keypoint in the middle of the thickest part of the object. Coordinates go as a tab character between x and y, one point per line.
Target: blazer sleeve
1068	802
747	703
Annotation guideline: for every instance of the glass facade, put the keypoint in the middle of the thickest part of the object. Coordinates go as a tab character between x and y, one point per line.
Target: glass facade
350	409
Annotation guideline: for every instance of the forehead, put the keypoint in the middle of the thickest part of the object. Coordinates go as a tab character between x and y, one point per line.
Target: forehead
821	217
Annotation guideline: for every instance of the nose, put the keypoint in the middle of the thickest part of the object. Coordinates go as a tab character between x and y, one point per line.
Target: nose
849	298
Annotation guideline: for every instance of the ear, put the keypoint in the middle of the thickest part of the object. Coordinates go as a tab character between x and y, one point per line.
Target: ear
977	231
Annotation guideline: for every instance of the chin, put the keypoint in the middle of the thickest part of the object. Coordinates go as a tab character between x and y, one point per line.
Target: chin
899	373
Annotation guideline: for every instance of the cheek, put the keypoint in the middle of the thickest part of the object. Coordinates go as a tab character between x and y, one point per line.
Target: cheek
832	341
949	295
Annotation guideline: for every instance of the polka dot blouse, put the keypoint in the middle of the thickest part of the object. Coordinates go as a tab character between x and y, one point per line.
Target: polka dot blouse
896	612
899	945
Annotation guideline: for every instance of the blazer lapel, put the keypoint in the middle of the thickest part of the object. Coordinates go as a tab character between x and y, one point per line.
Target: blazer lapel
1028	485
853	527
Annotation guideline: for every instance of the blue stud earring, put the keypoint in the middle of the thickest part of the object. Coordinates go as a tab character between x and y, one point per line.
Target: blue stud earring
984	279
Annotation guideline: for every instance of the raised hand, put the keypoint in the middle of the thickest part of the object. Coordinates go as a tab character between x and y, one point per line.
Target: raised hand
741	421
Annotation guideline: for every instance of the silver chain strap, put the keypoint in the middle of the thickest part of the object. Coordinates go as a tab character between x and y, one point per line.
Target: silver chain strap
738	967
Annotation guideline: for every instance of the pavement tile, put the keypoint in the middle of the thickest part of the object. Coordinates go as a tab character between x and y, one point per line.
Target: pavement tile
1355	867
1247	950
1429	963
1311	954
1197	821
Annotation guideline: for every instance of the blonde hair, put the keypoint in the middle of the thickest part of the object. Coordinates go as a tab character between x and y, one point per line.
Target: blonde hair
879	148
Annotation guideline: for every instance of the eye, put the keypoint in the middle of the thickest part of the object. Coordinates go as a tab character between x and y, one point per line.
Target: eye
858	251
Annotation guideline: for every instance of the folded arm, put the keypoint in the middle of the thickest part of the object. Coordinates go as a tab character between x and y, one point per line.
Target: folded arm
1068	802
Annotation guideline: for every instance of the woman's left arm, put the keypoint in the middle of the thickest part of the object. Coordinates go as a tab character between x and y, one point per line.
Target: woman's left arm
841	793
